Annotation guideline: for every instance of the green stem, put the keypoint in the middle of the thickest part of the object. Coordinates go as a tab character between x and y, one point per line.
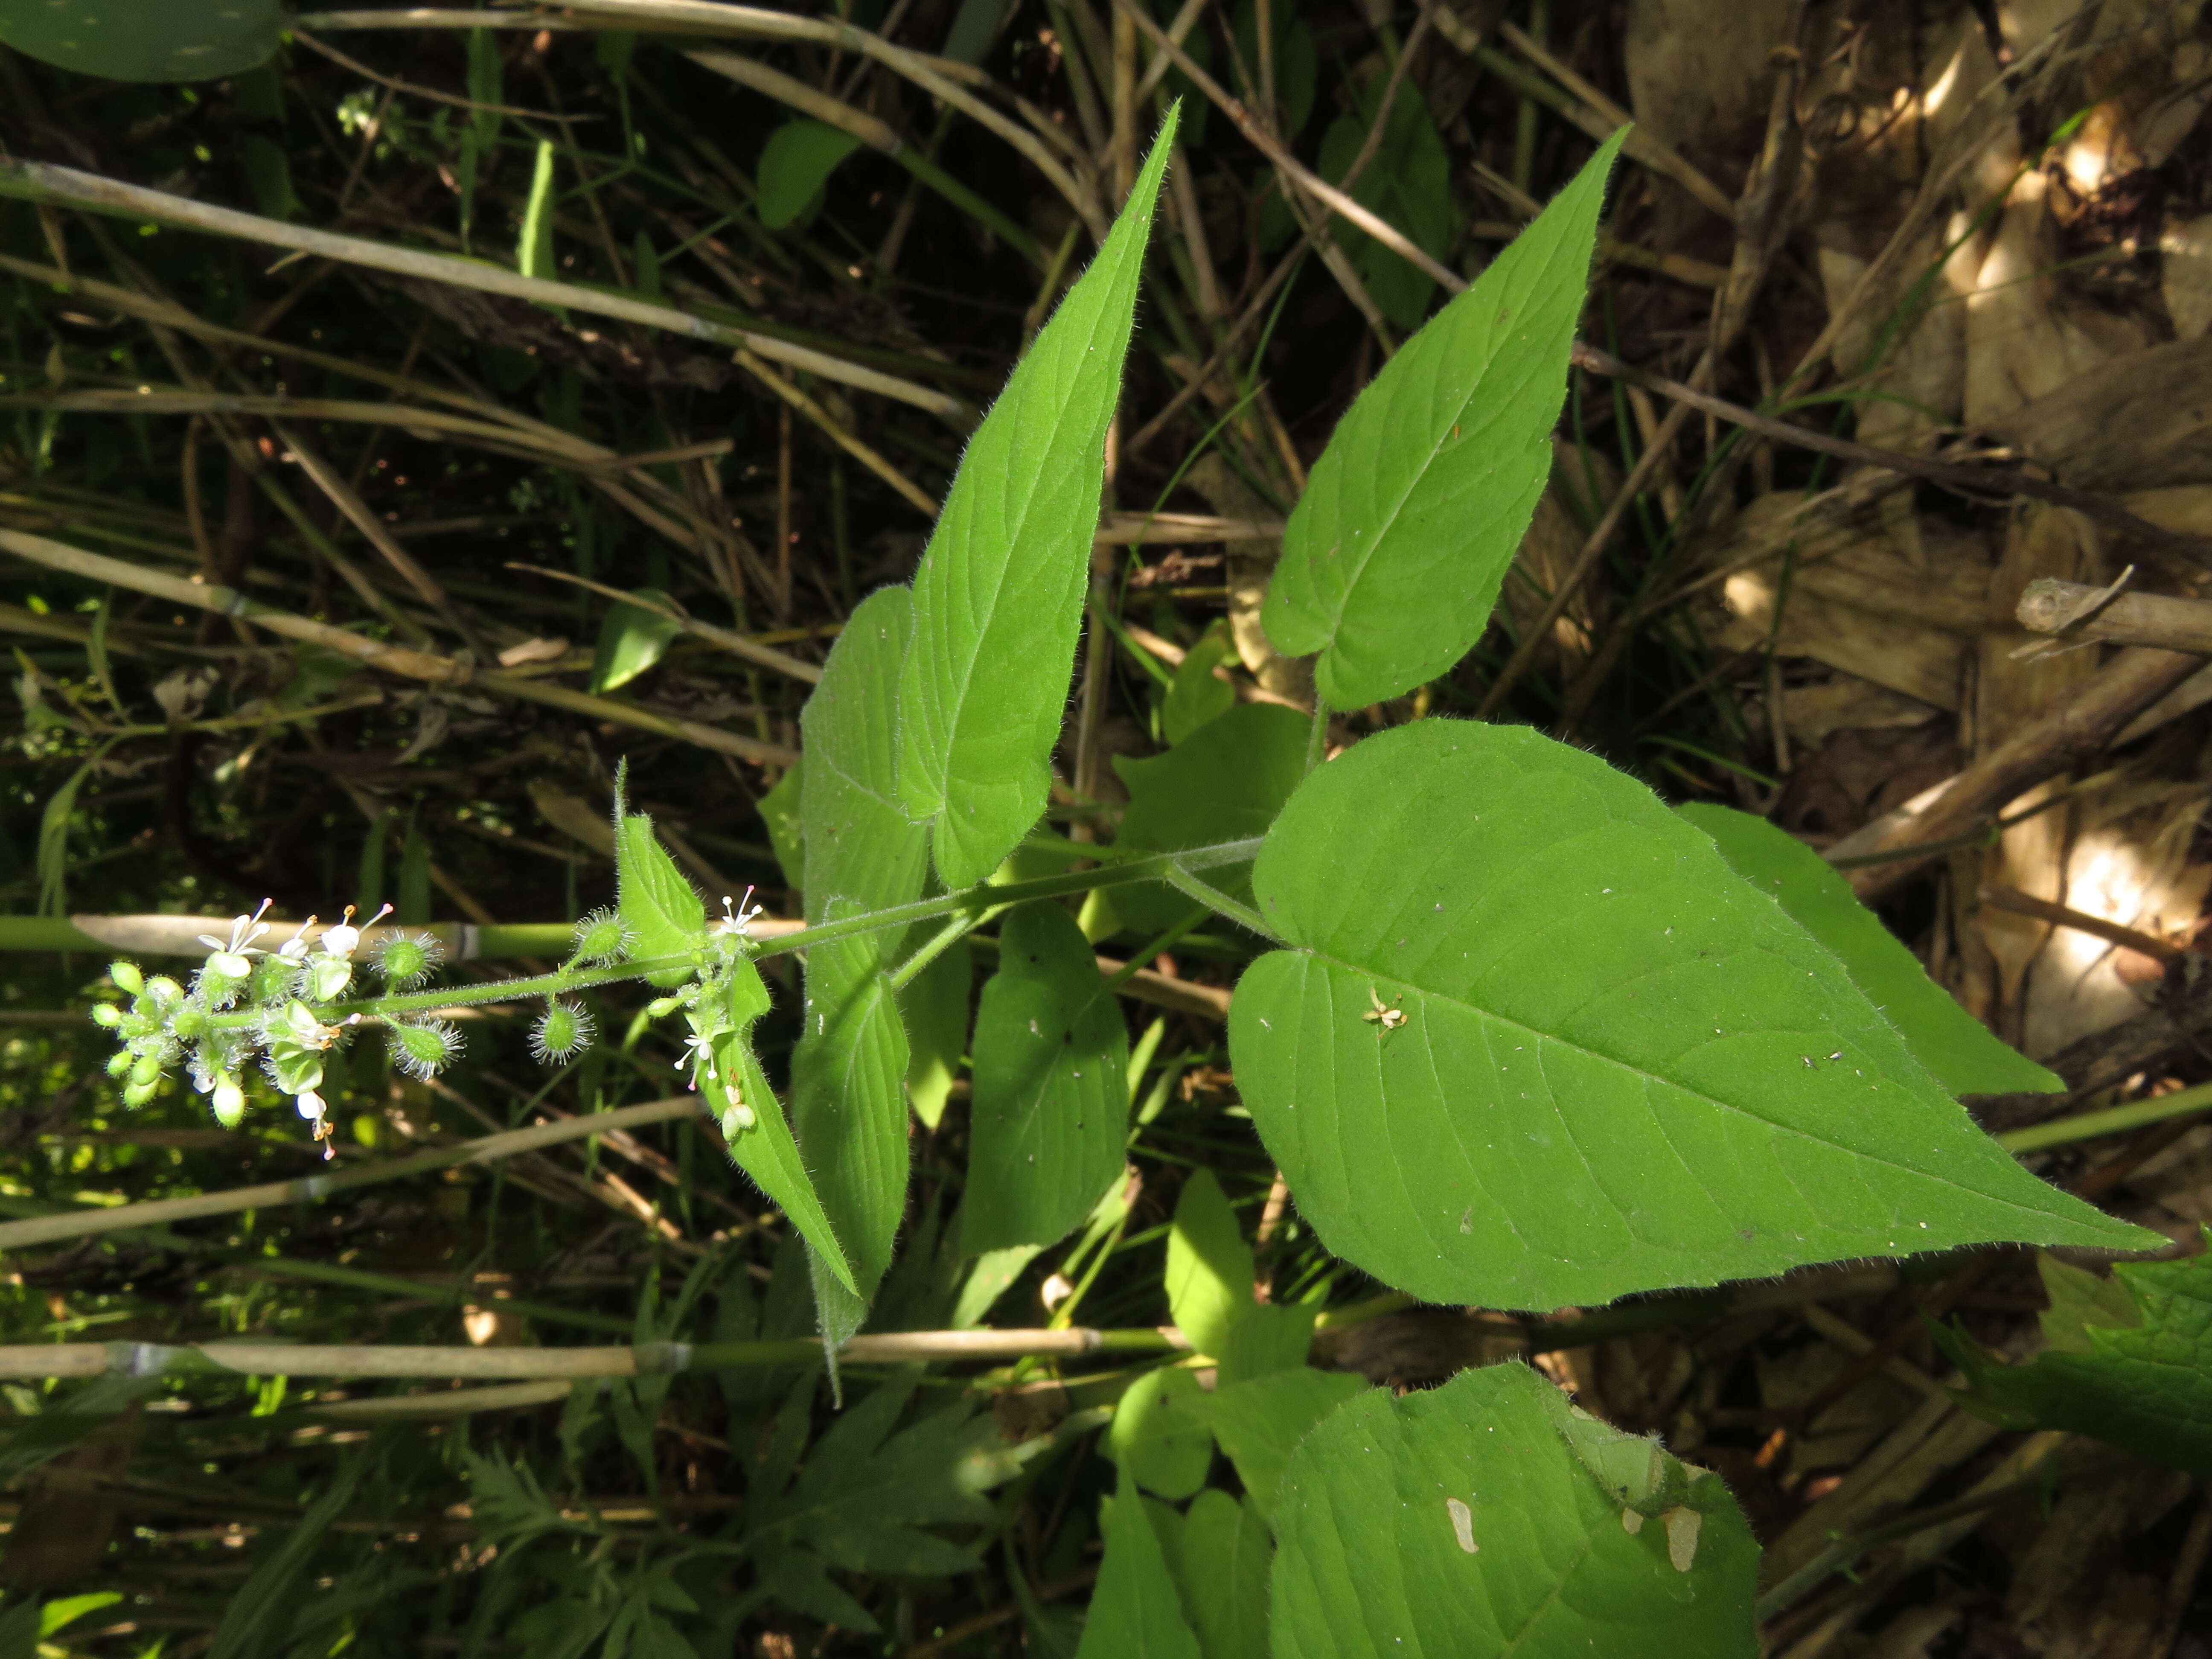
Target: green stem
936	946
1165	942
1317	735
2112	1120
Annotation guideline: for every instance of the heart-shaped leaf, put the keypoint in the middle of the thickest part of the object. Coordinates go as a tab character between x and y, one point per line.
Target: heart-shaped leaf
1534	1044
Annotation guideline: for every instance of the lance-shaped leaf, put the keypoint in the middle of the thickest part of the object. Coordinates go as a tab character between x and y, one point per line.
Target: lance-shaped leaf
849	1071
1051	1103
1210	1266
1469	1520
848	1107
1964	1054
1392	558
1606	1064
998	595
767	1150
2129	1362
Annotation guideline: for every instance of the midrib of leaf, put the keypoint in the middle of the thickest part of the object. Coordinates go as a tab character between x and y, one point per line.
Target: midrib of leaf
1385	981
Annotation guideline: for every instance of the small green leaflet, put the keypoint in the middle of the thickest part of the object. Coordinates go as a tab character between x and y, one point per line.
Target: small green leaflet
1196	694
1210	1266
1467	1519
934	1005
1408	183
998	599
1620	1068
797	162
658	906
2129	1361
1051	1105
1392	558
1964	1054
146	40
632	639
1160	1441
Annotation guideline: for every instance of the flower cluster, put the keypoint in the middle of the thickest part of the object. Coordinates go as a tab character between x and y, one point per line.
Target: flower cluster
247	1002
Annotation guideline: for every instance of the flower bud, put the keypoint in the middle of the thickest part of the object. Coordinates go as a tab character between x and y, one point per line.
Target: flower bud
661	1007
189	1023
120	1062
138	1094
229	1103
737	1119
126	976
146	1068
164	990
562	1030
107	1014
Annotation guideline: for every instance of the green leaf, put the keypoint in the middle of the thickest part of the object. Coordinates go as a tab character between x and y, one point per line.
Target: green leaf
1196	695
632	640
1135	1612
1408	183
767	1150
1220	1558
71	1608
147	40
2140	1380
486	76
794	166
779	811
1961	1052
533	253
261	1612
998	595
1392	558
269	175
865	1495
660	909
1619	1067
1266	1339
848	1105
1051	1104
1226	781
1463	1520
1161	1442
1210	1266
935	1004
859	845
1261	1421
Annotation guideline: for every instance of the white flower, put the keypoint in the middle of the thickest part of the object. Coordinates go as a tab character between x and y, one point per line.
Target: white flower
344	939
294	949
701	1058
228	959
736	919
312	1105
